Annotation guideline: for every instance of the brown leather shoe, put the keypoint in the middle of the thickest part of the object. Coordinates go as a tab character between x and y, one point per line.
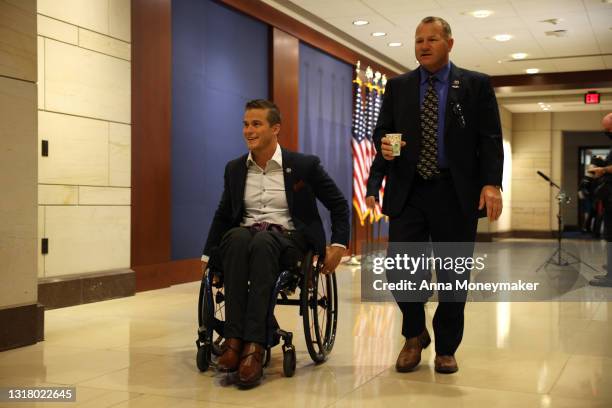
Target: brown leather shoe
251	365
230	358
446	364
410	356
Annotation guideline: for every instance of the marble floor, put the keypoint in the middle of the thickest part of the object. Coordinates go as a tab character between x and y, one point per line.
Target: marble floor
140	352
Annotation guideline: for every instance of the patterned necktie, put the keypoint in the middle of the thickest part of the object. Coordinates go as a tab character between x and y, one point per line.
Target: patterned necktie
427	165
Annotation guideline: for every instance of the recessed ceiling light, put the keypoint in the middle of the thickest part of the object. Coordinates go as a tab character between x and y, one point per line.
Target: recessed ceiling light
546	109
519	55
480	13
532	70
360	22
395	44
379	34
502	37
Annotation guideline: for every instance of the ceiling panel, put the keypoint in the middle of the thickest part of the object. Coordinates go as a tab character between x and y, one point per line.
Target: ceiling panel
571	45
596	5
402	6
336	8
588	23
579	64
519	67
530	7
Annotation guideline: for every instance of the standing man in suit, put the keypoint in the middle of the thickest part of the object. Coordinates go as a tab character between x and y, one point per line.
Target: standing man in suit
267	217
448	172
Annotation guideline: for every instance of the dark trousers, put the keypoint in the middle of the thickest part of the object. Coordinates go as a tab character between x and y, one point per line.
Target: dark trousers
252	262
433	212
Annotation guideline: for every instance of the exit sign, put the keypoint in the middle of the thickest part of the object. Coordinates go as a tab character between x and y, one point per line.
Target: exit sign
592	97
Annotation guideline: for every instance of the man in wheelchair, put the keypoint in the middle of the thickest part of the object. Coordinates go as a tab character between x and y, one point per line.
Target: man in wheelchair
266	219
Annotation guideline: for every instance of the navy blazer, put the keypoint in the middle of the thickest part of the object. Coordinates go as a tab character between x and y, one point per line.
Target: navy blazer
472	137
305	182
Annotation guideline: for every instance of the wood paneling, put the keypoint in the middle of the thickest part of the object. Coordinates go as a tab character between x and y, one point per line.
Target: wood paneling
166	274
285	84
151	133
552	81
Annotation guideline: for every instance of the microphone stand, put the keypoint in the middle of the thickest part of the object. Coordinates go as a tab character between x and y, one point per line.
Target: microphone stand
557	258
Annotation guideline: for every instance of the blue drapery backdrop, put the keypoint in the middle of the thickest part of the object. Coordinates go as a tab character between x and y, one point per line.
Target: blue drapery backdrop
325	102
219	61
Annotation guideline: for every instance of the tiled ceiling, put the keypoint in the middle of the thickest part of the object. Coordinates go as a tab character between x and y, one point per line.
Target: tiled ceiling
587	44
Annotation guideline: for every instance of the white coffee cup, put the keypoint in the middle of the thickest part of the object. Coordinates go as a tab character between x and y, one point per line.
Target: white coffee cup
396	142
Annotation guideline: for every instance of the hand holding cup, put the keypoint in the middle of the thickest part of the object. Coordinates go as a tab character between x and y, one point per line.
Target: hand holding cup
391	145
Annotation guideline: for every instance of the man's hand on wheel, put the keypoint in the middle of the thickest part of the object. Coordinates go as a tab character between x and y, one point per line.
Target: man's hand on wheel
333	256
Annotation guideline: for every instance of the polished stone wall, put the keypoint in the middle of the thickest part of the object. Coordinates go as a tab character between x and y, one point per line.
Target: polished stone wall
18	215
84	113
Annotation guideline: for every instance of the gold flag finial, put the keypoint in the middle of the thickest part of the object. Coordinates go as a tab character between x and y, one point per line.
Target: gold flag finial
377	77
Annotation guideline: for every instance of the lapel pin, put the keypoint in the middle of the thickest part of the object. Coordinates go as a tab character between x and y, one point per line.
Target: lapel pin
288	170
455	84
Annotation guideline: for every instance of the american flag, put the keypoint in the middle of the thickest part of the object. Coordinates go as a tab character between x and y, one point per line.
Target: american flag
375	103
365	116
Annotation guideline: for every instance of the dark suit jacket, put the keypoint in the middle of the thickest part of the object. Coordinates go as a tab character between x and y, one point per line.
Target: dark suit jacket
472	136
378	171
305	182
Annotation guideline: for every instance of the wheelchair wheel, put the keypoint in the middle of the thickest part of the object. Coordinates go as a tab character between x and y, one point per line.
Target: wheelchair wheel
203	358
211	321
319	308
289	361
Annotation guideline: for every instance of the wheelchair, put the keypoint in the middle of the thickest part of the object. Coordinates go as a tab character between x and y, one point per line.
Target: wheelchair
317	302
